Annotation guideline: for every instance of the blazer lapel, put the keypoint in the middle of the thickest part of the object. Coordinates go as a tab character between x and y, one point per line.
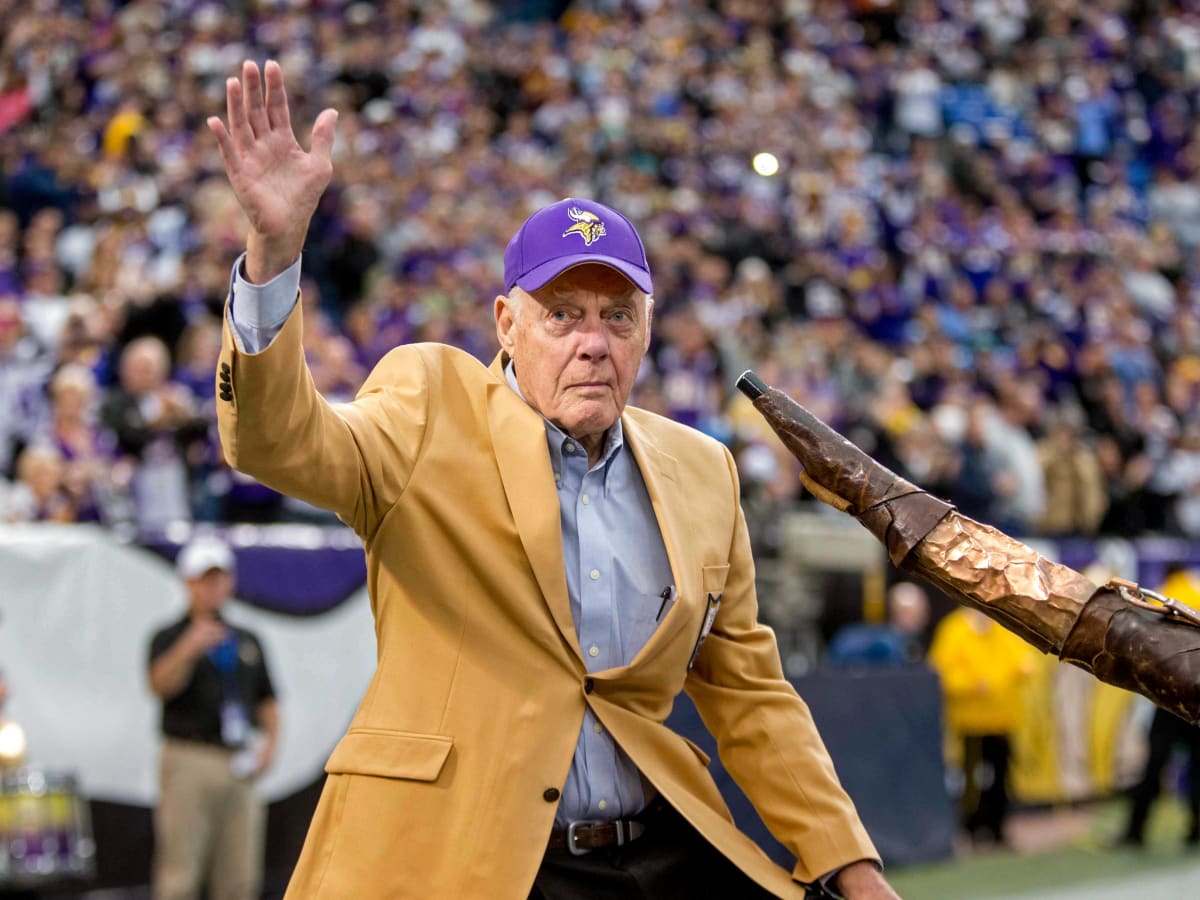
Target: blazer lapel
519	439
671	509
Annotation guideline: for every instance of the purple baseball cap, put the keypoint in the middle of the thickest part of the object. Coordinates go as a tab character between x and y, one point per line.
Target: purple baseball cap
569	233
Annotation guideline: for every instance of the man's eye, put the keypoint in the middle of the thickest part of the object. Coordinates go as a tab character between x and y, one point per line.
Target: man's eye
560	315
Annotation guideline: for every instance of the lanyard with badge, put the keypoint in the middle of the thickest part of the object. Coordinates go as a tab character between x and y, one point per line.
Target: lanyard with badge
235	718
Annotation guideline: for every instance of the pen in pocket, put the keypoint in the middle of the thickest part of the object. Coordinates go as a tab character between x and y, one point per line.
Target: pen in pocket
665	595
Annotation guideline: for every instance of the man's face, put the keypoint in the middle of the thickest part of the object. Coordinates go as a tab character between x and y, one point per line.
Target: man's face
207	593
576	344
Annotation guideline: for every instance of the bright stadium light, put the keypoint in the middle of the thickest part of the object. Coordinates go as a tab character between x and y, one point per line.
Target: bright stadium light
765	164
12	744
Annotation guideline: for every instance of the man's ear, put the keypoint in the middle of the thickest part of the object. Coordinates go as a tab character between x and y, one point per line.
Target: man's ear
506	319
649	319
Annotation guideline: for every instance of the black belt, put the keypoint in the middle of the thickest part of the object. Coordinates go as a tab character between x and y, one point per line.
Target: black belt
580	837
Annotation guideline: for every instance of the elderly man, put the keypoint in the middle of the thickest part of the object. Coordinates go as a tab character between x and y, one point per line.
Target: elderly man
548	570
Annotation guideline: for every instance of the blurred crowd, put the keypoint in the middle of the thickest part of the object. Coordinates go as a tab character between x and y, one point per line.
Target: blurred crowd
971	241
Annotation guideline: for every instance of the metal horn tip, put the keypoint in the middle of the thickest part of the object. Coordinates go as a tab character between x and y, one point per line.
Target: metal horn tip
751	385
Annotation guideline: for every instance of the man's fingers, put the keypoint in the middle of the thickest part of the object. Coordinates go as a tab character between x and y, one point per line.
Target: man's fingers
239	128
256	107
278	115
224	143
322	134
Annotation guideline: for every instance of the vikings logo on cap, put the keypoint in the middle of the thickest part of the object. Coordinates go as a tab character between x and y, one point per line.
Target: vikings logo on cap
587	225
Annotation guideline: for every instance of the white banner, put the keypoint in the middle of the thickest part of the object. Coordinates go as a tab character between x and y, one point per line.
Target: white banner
77	610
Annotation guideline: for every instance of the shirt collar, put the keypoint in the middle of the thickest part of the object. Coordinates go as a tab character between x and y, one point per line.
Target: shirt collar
614	438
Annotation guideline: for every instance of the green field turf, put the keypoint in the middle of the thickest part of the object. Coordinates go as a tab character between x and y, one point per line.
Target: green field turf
1085	867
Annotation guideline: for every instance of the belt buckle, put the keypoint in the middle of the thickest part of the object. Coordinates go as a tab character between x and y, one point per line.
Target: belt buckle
576	851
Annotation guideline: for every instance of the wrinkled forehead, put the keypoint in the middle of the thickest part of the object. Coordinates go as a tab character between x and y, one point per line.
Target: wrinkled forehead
590	278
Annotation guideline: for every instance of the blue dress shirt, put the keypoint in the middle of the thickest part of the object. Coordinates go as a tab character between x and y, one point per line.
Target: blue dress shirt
617	574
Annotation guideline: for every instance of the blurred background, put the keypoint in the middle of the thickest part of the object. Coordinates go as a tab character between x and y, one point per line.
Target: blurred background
963	232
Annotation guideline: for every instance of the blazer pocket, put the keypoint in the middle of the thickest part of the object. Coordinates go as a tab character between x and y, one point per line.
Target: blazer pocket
390	754
713	579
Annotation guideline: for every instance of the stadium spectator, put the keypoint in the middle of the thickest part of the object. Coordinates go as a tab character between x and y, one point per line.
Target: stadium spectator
153	422
24	368
38	495
967	194
983	668
86	452
1076	498
899	640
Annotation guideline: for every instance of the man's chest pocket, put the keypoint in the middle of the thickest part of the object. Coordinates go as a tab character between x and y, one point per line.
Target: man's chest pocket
713	583
643	613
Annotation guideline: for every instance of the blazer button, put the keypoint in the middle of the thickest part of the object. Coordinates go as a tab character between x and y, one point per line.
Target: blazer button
550	795
588	684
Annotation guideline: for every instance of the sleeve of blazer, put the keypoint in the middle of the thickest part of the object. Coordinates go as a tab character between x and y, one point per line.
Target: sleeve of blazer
765	733
352	458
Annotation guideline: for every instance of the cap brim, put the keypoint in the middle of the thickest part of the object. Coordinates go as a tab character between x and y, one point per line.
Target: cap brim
540	276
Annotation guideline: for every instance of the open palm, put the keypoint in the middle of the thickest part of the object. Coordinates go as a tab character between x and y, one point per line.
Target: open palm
276	182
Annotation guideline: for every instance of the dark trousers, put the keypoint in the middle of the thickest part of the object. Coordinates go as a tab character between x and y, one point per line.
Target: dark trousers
1166	731
985	792
669	860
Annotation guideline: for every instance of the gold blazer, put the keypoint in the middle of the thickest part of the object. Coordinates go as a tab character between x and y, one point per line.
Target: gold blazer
446	783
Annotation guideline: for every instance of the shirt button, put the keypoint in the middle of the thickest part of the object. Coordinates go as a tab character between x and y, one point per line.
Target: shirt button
603	804
593	650
585	499
569	447
594	574
598	728
558	476
588	684
550	795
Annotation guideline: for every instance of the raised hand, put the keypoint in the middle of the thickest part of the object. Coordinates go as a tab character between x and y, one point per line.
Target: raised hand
276	182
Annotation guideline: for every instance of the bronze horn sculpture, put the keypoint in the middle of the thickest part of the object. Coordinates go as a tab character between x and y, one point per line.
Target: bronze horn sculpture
1122	634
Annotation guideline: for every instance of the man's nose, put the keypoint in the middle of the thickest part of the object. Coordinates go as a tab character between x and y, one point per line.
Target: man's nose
593	339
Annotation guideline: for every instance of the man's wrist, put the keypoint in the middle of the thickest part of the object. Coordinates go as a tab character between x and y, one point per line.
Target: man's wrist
267	257
861	879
